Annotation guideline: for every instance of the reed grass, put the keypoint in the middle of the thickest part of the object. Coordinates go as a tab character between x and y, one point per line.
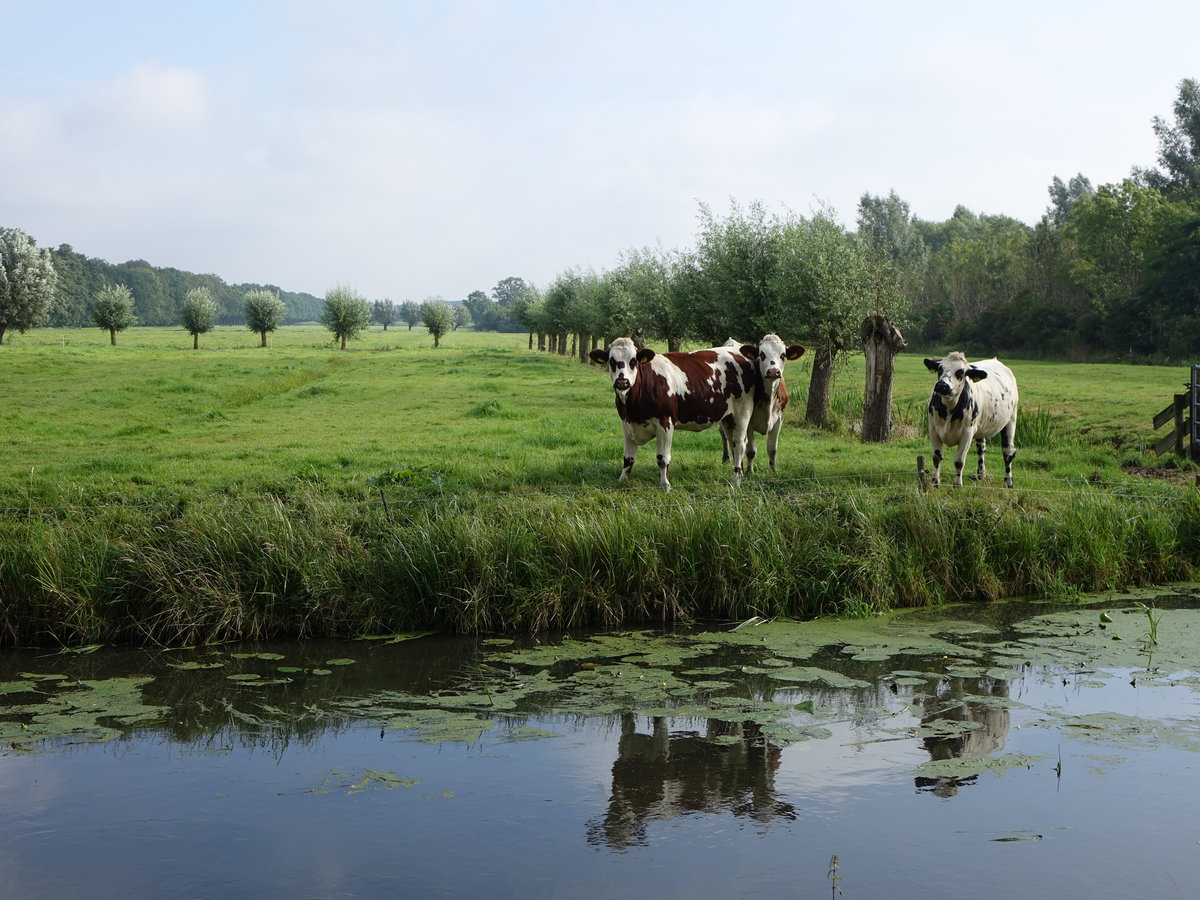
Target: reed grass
318	565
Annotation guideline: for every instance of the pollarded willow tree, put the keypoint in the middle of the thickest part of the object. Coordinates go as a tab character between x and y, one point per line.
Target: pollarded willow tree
384	312
347	314
27	282
437	317
112	310
264	312
198	314
826	283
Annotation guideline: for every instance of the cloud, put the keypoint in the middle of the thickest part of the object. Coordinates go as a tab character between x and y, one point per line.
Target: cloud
152	98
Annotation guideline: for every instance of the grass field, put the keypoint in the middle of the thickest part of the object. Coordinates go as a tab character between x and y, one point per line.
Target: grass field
480	413
301	489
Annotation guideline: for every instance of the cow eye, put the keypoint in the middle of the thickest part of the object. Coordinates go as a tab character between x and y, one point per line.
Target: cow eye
958	375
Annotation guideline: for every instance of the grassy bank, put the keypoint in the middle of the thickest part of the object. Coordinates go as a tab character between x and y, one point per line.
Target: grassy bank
152	493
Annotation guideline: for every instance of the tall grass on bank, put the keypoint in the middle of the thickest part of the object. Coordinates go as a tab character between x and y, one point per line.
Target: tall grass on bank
318	565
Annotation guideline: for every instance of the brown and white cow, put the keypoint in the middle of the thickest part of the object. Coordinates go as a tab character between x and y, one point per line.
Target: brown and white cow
972	402
657	393
770	394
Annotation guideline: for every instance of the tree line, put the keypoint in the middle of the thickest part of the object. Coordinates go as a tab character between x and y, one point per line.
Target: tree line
1109	272
158	293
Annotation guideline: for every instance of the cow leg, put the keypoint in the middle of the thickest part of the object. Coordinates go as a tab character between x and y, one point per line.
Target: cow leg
936	443
960	458
738	444
980	449
725	427
664	457
751	452
773	441
1008	446
630	453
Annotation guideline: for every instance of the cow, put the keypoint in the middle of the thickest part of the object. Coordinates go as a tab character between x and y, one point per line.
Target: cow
972	402
770	394
657	393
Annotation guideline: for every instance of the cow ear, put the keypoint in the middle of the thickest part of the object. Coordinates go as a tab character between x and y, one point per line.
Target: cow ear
932	364
795	351
749	351
598	356
645	355
976	374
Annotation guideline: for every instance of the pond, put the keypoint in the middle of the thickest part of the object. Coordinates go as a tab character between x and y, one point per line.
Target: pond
1014	749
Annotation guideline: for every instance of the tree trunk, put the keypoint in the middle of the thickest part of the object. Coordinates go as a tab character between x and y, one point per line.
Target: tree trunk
343	342
531	340
881	342
3	328
112	336
817	411
562	344
585	341
541	341
673	344
196	341
436	340
574	342
264	339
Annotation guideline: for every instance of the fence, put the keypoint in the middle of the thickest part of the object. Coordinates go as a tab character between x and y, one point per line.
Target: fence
1184	413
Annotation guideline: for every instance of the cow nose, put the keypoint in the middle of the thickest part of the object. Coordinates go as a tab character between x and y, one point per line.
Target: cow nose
774	373
941	388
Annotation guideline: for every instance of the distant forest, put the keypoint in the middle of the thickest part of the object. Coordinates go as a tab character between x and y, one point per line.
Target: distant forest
157	292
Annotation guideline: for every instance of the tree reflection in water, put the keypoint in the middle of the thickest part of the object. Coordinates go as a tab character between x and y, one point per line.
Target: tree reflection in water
657	776
985	727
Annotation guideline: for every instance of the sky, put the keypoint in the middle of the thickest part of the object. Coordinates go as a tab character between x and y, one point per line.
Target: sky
430	148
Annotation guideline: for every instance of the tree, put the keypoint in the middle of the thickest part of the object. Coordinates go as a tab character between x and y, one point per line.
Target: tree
1178	146
346	314
113	309
462	316
384	312
826	282
649	278
1064	196
410	312
27	282
437	317
736	258
198	313
264	312
508	289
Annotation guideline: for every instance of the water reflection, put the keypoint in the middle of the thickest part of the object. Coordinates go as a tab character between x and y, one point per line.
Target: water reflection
662	774
967	719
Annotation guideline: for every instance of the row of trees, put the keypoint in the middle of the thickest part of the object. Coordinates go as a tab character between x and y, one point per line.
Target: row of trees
158	293
1110	271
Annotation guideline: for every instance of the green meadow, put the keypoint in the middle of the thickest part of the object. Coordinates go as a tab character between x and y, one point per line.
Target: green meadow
152	493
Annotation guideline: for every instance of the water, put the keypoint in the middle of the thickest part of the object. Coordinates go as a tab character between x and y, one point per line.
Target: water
983	753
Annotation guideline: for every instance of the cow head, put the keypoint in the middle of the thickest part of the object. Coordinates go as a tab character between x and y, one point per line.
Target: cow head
769	356
953	371
621	359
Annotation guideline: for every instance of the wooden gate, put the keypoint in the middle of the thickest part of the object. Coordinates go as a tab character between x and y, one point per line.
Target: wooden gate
1184	416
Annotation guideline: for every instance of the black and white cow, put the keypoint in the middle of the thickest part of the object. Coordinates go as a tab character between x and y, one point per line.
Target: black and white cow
657	393
770	394
972	402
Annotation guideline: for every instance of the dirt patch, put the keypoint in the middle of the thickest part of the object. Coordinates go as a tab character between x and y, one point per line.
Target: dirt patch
1163	473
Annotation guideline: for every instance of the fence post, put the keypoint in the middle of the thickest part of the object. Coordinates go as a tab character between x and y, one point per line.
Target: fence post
921	473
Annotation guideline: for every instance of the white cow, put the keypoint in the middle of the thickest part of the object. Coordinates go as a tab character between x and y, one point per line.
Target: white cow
972	402
770	394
